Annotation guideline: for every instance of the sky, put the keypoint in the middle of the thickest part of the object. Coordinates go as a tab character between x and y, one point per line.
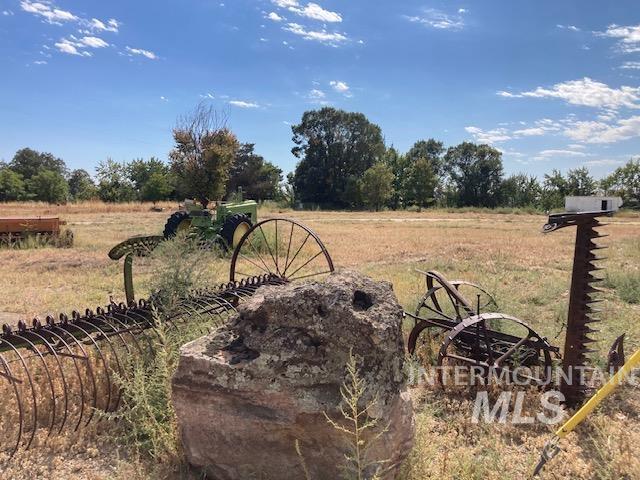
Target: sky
552	84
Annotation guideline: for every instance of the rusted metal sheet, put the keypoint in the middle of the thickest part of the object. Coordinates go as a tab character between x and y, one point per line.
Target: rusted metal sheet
19	226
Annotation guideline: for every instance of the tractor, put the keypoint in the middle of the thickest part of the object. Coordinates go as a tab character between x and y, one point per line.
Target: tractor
231	221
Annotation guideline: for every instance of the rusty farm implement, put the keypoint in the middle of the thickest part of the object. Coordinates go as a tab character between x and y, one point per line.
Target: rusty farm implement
43	229
61	370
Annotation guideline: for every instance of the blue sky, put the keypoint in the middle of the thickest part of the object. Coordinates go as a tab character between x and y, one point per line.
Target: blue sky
553	84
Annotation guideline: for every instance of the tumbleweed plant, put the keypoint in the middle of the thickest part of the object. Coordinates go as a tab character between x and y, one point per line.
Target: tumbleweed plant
360	429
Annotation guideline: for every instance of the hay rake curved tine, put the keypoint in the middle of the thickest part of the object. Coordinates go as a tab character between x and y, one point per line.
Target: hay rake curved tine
70	371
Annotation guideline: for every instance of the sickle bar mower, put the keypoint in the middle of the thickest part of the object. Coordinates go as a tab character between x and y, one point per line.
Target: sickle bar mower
58	372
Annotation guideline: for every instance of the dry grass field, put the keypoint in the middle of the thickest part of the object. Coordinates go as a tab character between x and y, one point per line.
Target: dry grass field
527	271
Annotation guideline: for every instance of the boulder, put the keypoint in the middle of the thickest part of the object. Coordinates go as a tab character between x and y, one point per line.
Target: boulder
247	392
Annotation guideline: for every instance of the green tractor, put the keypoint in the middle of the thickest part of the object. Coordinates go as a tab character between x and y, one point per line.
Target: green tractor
232	220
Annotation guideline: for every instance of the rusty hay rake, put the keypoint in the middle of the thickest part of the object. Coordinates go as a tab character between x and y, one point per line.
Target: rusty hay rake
61	370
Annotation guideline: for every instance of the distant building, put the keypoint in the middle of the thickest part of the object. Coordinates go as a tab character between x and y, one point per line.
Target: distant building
592	204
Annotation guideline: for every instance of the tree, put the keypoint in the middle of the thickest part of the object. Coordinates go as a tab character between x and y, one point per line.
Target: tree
28	163
157	187
430	149
625	182
203	154
81	186
48	186
580	183
421	183
377	186
11	185
520	190
476	171
113	182
554	189
140	171
397	163
258	178
335	148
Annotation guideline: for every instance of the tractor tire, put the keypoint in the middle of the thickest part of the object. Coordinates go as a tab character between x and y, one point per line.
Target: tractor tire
233	228
176	222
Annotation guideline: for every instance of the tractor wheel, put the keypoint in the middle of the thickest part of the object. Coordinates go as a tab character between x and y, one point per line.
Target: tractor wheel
178	222
234	228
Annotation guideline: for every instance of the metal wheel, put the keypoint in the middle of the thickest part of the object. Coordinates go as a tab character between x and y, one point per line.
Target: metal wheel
499	342
280	248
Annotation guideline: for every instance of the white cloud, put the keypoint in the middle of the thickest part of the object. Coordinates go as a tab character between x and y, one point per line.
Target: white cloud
208	96
462	10
40	62
164	99
603	163
628	37
310	10
576	146
630	65
275	17
93	42
439	20
322	36
585	92
243	104
7	13
71	47
139	51
49	12
489	136
112	25
568	27
544	154
316	94
530	132
602	132
341	87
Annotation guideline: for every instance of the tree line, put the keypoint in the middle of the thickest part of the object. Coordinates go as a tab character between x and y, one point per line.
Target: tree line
343	163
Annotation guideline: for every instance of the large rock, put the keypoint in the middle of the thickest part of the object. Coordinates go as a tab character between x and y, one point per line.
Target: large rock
247	392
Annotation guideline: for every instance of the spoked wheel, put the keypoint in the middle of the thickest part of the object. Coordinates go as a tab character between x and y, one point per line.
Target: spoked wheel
453	299
281	248
498	343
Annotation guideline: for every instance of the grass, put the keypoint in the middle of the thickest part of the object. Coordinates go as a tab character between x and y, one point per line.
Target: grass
527	271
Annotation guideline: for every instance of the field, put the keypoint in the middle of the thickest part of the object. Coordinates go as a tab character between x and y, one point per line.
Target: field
527	271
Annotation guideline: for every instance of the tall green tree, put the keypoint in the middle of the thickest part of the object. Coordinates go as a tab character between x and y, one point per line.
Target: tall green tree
113	182
28	162
521	190
49	186
421	182
554	189
12	186
259	179
431	150
158	186
81	186
377	186
204	152
580	183
398	165
625	182
140	172
335	148
476	171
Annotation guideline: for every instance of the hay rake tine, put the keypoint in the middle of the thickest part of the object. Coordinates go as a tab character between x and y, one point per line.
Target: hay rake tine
90	372
63	378
12	381
33	348
32	388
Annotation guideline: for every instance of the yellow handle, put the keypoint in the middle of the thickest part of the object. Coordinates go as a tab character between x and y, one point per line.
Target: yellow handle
599	396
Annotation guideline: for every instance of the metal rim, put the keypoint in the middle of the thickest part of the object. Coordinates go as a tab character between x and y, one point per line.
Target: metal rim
271	262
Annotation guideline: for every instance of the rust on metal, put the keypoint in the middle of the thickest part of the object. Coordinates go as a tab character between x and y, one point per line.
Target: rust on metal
616	358
61	371
582	298
486	341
